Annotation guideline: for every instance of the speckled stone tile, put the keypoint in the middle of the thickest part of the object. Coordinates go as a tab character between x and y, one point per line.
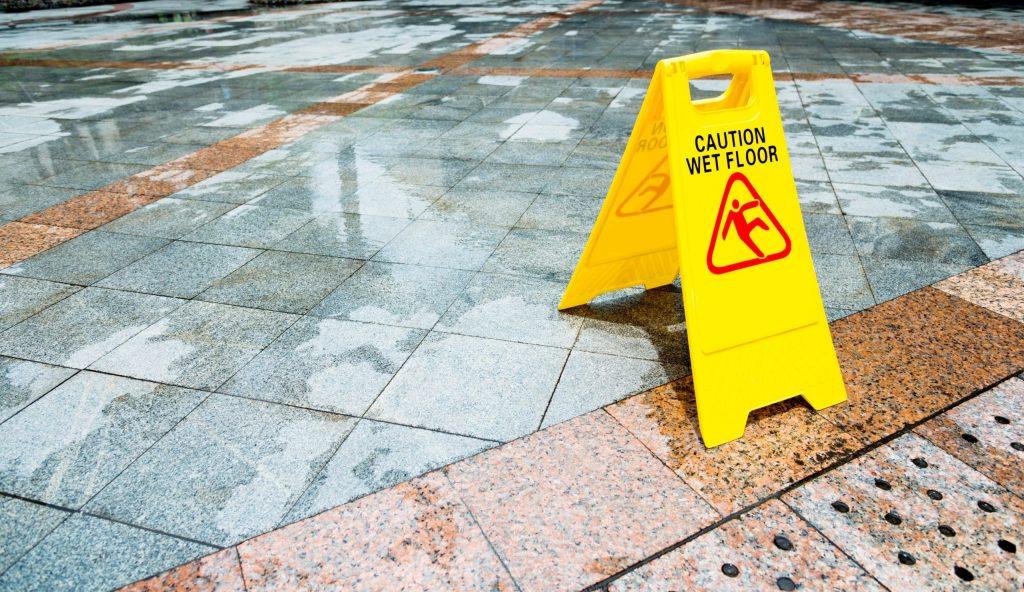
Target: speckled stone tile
228	471
479	387
892	202
636	323
17	201
416	536
86	259
200	345
393	294
232	187
83	327
167	218
497	208
914	240
21	241
22	382
768	548
548	254
454	245
917	518
22	525
181	269
327	364
219	572
343	235
843	281
88	553
998	286
512	308
281	281
21	297
781	445
378	455
987	433
90	210
250	226
590	381
891	278
910	357
48	451
570	505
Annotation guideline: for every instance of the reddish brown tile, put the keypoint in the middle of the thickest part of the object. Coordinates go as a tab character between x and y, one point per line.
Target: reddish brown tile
414	536
918	519
998	286
913	356
218	572
90	210
752	552
577	502
19	241
782	444
987	433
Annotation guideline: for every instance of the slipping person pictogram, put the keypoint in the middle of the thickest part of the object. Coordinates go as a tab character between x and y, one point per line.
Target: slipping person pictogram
751	221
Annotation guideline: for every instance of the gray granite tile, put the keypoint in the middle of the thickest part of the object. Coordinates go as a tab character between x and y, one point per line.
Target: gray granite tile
972	176
22	382
22	297
512	177
378	455
870	169
911	240
327	364
997	242
251	226
200	345
22	525
549	254
92	175
890	278
87	553
843	282
562	212
17	201
405	295
455	245
472	205
87	258
343	235
385	196
636	324
232	187
828	233
986	209
83	327
286	282
50	451
181	269
229	471
479	387
892	202
168	218
590	381
513	309
817	197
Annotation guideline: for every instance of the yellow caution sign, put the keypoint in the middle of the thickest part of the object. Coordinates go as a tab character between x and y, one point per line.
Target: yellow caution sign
705	190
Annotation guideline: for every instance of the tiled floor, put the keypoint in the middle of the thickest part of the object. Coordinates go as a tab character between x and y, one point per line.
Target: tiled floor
257	264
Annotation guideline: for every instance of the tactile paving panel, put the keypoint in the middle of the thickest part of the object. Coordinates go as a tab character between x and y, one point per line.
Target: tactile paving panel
987	433
769	548
919	519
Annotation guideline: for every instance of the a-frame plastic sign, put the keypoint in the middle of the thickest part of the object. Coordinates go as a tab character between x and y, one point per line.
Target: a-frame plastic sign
705	190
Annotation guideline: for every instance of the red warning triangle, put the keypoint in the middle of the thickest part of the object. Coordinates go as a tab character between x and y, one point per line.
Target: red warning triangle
747	233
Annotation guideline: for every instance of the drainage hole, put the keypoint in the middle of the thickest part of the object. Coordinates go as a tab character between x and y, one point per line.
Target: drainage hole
730	570
906	558
947	530
1007	546
935	495
893	518
882	484
969	438
963	573
1002	420
785	583
841	507
1017	446
782	542
920	462
987	507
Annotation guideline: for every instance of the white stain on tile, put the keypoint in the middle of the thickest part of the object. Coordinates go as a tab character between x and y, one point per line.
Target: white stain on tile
501	80
540	126
245	117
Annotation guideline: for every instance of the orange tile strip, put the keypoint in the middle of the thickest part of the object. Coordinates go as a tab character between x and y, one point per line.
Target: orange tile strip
26	237
579	502
918	25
